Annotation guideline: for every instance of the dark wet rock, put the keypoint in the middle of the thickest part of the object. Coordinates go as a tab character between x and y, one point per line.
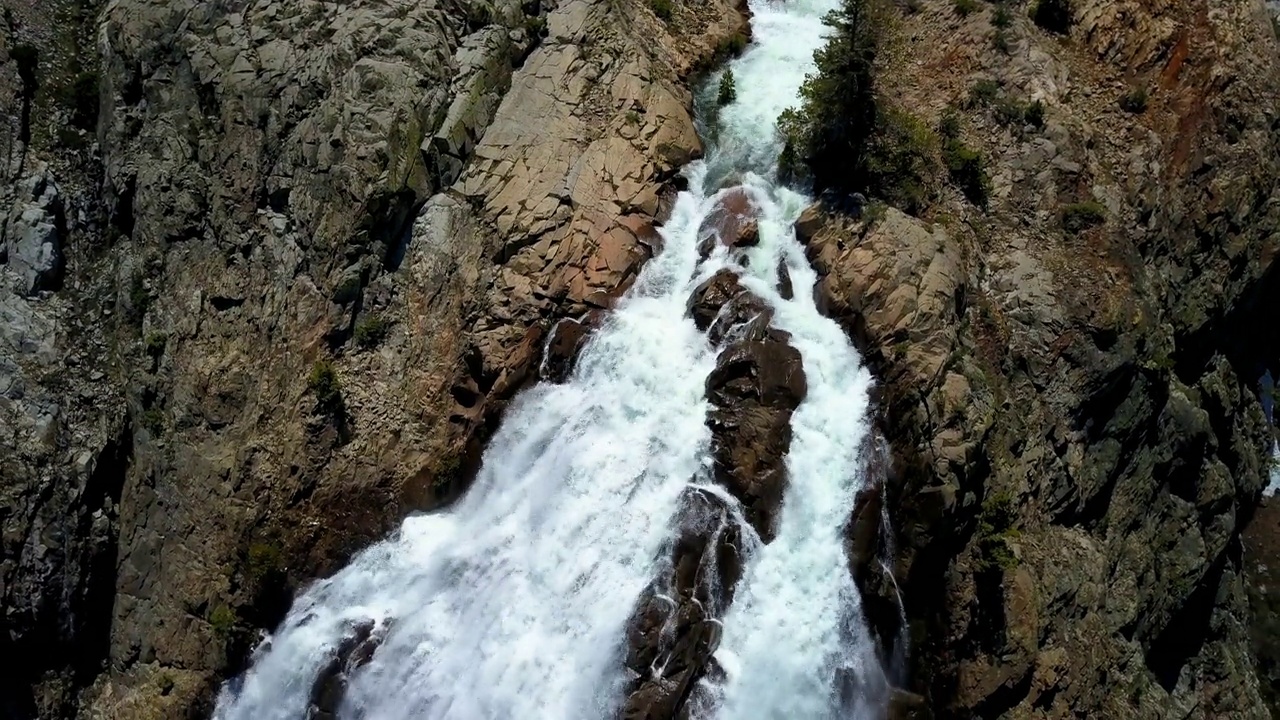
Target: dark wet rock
330	685
732	223
564	345
784	281
723	308
755	387
675	627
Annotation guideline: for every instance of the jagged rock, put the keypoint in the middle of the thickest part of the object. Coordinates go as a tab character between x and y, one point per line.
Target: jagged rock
723	308
675	627
330	685
732	222
563	346
754	388
33	235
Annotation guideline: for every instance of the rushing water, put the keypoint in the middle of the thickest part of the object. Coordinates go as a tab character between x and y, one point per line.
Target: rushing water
514	603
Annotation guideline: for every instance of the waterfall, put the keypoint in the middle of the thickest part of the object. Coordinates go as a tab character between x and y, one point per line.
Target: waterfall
514	603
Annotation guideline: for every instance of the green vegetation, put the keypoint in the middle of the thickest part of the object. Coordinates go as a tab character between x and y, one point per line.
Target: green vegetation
984	93
323	381
995	531
348	290
27	58
1033	114
633	117
727	92
1000	40
535	25
371	331
661	8
1078	217
153	420
1135	101
81	99
968	171
844	135
731	46
223	619
1053	15
901	160
264	560
1002	18
155	343
965	165
965	8
139	298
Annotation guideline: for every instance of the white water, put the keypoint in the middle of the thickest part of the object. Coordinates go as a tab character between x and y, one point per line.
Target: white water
513	604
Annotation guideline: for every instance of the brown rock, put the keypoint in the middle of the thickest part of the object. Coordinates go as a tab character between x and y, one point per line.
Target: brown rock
732	222
753	390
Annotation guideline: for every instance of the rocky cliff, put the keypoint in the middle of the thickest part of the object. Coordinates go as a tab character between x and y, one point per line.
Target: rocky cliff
1070	374
271	271
276	296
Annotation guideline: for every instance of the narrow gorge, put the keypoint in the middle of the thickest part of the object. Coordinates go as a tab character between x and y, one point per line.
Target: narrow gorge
638	359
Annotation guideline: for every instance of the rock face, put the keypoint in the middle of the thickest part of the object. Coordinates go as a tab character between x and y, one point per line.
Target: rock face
1073	415
300	264
1262	584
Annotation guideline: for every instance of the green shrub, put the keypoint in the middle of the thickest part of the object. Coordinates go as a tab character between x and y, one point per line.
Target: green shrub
1078	217
984	93
1010	112
371	331
139	298
1033	114
1000	40
900	160
995	531
323	381
949	126
1002	18
1135	101
1053	15
828	136
731	46
264	559
81	99
727	92
968	171
27	59
155	343
535	25
348	290
965	8
223	619
661	8
633	117
153	420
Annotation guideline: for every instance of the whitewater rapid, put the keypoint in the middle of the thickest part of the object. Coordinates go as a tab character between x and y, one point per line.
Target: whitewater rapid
514	602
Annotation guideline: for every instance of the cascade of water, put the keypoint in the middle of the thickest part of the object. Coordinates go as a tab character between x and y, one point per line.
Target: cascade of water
512	603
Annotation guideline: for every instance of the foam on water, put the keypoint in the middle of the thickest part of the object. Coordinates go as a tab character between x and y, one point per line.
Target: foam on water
513	603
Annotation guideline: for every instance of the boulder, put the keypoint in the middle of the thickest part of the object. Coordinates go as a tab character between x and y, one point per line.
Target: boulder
753	390
330	685
732	222
33	235
565	342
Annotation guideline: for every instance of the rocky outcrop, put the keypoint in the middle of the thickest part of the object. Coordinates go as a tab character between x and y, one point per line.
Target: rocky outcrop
1262	584
309	255
1073	412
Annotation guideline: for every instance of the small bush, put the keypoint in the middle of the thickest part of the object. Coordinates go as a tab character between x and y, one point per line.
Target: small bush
223	619
633	117
1000	41
27	58
661	8
727	92
139	298
323	381
535	25
1010	112
155	343
1053	15
371	331
965	8
983	93
968	170
153	420
995	531
1033	114
1078	217
900	161
731	46
1002	18
81	99
949	126
348	290
1135	101
265	559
